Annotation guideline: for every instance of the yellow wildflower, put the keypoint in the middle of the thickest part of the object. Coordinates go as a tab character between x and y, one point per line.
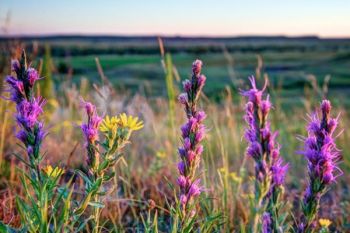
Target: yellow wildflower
130	122
222	170
324	222
161	154
53	172
235	178
109	124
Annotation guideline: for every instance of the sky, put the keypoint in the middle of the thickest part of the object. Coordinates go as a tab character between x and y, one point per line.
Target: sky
324	18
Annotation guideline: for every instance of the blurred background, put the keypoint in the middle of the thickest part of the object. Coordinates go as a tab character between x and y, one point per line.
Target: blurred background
131	56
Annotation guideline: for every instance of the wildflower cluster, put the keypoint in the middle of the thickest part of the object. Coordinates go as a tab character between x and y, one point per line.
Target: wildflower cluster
322	156
263	148
116	131
193	132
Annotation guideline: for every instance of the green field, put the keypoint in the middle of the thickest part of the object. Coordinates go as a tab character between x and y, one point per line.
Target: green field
289	63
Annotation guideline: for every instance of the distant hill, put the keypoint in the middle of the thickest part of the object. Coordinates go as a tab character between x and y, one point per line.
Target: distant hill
76	45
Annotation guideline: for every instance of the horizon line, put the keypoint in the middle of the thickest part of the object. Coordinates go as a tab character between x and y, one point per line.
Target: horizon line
184	36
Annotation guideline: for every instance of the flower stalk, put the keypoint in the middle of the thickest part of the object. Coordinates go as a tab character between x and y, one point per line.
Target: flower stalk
269	168
322	155
193	132
40	185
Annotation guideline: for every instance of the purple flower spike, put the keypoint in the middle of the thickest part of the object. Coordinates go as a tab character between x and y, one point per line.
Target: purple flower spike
90	132
263	148
192	132
28	111
322	157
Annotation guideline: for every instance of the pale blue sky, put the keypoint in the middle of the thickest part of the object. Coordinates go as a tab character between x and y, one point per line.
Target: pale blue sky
327	18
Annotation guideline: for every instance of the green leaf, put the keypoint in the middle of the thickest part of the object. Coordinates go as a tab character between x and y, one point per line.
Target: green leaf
85	178
96	204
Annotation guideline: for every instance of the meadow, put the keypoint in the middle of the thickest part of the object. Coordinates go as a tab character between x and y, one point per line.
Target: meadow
143	77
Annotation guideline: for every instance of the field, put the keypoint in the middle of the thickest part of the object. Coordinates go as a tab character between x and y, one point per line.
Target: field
143	76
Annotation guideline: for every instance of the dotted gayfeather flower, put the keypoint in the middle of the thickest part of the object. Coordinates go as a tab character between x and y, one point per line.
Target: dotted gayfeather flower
263	148
193	132
322	156
28	108
90	131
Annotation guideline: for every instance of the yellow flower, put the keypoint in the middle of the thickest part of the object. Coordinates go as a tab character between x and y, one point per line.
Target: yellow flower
161	154
130	122
324	222
222	170
235	178
109	124
53	172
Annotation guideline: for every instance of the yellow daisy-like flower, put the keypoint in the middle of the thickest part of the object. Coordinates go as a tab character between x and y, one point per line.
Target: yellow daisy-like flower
130	122
53	172
325	222
109	124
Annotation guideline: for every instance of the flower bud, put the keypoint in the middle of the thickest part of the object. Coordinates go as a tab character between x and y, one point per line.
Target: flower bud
197	67
187	85
183	98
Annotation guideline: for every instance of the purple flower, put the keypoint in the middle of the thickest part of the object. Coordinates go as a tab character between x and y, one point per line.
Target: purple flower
22	135
266	223
254	95
90	129
187	85
279	172
181	167
33	76
187	144
197	67
195	189
263	148
183	99
183	199
191	156
322	156
15	66
200	116
16	89
192	132
254	150
28	110
200	134
266	106
201	81
182	181
90	132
